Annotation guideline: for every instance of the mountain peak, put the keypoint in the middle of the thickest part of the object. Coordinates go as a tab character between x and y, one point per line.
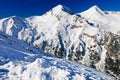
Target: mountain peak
60	8
93	11
96	9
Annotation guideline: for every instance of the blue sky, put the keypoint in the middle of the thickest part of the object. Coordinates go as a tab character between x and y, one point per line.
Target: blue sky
26	8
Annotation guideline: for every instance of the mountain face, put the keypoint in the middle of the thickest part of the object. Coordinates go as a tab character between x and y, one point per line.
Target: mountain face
20	61
91	38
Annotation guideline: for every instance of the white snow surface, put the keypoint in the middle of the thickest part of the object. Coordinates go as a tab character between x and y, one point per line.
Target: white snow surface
20	61
107	20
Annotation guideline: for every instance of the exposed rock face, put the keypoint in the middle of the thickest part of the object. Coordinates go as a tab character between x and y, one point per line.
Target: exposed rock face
70	36
112	65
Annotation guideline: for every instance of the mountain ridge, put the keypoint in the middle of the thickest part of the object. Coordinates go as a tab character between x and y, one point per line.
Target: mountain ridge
92	42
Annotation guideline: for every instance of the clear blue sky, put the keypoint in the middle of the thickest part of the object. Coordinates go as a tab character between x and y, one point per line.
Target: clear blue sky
26	8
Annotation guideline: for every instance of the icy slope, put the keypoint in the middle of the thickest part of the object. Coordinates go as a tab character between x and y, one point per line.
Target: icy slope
18	61
86	39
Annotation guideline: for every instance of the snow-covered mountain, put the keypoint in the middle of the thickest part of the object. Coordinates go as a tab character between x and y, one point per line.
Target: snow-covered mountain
107	20
19	61
91	38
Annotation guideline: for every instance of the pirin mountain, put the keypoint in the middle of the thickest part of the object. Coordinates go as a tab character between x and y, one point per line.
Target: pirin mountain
91	38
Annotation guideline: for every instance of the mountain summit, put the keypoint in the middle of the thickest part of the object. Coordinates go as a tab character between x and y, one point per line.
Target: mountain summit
60	8
93	11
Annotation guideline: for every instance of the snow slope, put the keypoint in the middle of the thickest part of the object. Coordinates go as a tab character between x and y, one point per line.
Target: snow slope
20	61
107	20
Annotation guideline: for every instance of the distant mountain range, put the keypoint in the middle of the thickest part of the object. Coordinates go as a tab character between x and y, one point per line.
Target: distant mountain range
91	38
